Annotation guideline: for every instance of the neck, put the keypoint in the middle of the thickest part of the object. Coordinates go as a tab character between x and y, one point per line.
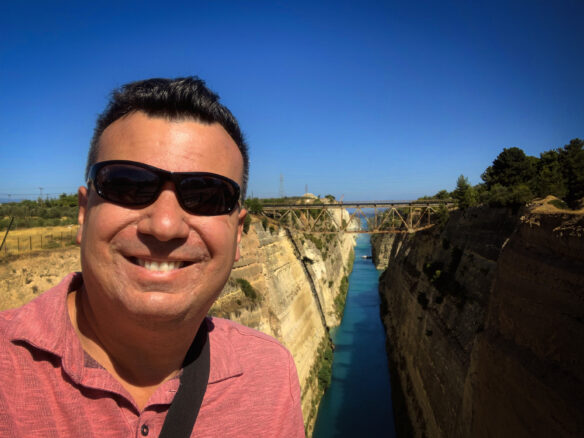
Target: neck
140	358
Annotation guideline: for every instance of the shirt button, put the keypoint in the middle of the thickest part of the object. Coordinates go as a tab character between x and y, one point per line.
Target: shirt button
144	430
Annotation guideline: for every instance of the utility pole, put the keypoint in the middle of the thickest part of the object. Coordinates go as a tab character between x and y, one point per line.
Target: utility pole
281	185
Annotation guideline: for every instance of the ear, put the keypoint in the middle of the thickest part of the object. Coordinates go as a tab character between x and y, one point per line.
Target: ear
242	215
82	195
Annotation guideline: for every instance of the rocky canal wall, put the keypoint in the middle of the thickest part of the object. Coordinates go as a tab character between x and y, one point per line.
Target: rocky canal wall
286	285
297	278
485	325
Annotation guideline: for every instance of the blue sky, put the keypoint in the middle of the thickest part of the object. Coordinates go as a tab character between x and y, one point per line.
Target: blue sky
361	99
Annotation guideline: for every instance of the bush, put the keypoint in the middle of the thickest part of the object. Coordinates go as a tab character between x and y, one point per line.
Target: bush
317	241
324	378
442	216
326	366
246	223
342	296
247	289
254	205
558	203
513	196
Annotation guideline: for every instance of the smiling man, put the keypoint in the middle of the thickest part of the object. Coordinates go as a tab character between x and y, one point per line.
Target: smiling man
125	348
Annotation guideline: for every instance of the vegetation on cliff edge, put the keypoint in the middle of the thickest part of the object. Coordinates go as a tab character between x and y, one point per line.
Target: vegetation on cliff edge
321	372
515	178
341	298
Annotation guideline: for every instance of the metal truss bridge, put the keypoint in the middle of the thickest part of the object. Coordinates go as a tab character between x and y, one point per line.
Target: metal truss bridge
348	217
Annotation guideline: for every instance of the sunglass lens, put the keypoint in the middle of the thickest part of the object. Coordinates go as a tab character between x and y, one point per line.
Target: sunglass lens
127	185
206	195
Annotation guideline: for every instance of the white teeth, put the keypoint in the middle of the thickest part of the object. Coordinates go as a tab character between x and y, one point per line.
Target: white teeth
151	265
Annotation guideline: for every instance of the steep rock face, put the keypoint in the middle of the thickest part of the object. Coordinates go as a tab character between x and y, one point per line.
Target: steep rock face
382	246
293	283
296	286
484	325
529	361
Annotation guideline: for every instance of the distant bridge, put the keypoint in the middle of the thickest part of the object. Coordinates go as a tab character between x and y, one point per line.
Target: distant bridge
332	218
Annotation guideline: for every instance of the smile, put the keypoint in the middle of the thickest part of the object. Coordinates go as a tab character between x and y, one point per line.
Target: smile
155	266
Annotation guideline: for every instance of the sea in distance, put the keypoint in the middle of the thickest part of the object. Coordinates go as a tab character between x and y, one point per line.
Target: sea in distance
358	402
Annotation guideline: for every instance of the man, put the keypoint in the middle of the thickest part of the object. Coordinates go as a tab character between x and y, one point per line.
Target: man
102	353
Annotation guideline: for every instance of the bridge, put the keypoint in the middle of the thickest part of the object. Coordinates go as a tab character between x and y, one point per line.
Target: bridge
347	217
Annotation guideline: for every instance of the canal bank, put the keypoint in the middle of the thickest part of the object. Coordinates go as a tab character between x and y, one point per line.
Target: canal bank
358	402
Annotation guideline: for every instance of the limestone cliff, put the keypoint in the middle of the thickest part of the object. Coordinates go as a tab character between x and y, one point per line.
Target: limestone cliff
485	325
291	291
382	246
295	279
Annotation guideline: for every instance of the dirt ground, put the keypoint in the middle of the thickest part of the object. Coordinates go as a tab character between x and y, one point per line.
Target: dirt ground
24	277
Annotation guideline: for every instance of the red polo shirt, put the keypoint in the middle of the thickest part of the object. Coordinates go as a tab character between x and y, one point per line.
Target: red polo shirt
50	387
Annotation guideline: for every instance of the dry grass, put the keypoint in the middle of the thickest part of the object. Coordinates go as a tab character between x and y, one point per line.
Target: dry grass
39	238
546	205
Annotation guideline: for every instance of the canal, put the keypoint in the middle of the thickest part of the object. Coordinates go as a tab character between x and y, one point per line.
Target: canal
358	402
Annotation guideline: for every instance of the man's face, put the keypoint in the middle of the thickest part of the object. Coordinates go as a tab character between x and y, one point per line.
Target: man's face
116	240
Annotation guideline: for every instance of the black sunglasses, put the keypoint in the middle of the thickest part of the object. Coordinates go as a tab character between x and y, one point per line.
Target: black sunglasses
132	184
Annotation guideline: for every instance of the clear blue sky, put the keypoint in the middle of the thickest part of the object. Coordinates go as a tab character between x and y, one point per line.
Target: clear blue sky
366	99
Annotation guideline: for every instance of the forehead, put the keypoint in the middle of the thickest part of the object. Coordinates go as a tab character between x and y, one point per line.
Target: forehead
183	145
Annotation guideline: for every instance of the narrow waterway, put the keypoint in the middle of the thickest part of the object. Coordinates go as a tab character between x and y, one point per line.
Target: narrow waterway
358	402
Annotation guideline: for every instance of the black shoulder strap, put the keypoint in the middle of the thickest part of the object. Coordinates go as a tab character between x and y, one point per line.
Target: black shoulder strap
185	407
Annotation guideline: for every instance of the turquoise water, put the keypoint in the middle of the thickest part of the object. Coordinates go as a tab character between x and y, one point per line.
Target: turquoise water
358	402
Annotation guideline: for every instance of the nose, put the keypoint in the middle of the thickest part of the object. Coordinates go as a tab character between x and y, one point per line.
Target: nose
164	219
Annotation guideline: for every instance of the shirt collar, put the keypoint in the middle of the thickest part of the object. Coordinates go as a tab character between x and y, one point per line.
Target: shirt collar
44	323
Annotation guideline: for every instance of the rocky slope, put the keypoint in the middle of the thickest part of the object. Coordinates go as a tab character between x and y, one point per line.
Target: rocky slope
297	285
485	325
292	291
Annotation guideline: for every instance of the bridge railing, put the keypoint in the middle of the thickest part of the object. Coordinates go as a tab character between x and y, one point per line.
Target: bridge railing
387	216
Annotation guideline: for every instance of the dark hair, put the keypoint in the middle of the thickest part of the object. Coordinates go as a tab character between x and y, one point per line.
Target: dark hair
173	99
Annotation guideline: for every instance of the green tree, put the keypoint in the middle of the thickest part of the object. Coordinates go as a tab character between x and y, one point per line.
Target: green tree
500	196
442	194
549	179
511	167
464	194
571	158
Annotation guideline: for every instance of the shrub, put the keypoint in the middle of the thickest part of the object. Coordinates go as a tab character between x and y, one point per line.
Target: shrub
247	289
558	203
442	216
254	205
326	366
246	223
512	196
317	242
342	296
